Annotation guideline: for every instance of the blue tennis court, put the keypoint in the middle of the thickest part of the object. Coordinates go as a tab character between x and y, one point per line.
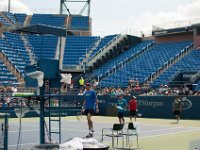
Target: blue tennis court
73	128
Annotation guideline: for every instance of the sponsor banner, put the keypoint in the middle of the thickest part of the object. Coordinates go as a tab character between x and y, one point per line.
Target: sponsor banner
157	106
148	106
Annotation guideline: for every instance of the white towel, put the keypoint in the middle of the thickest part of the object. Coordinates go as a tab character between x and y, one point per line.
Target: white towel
77	144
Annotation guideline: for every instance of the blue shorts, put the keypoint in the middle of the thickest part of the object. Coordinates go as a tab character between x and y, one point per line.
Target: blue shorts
177	113
89	111
120	114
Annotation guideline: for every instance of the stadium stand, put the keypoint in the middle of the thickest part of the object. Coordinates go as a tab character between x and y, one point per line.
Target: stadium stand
198	86
10	16
48	19
20	17
4	22
80	22
144	65
16	19
120	58
43	46
6	77
139	61
77	47
111	49
17	45
104	41
187	63
12	56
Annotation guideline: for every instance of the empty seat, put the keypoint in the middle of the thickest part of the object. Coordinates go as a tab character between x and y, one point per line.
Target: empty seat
115	132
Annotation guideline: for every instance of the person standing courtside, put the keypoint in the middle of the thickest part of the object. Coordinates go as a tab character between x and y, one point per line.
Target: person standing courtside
121	107
90	106
81	83
177	108
133	108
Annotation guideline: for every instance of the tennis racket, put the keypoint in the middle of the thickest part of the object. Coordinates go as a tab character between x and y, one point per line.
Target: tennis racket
119	107
79	116
139	115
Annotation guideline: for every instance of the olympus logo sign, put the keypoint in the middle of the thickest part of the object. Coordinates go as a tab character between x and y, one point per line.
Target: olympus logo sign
152	104
186	103
188	76
160	32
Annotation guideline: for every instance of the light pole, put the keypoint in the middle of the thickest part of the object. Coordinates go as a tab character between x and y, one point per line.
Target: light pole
8	5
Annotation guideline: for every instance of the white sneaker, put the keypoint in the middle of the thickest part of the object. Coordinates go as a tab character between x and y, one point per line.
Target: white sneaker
89	135
92	130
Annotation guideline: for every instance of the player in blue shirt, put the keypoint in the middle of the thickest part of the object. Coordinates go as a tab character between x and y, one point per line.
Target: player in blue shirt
90	106
121	107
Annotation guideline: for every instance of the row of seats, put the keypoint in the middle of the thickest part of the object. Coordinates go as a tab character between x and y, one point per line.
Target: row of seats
120	58
15	18
103	42
80	22
48	19
10	16
190	62
20	17
143	66
12	55
77	47
18	45
43	46
4	22
5	75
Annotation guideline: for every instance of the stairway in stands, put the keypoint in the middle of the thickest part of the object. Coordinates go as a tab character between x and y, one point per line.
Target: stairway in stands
103	51
29	50
12	69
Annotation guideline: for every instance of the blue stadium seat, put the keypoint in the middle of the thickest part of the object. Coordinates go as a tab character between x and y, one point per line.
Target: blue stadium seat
143	66
20	17
190	62
11	17
43	46
48	19
80	22
76	48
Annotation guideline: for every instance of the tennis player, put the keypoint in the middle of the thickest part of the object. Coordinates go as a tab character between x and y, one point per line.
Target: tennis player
177	108
90	106
121	108
133	108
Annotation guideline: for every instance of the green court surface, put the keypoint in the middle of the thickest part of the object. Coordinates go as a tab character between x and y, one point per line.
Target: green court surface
155	134
178	140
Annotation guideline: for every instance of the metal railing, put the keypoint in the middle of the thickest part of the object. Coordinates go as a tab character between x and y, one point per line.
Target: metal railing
105	49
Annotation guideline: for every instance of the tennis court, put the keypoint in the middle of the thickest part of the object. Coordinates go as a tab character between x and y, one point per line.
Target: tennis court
155	134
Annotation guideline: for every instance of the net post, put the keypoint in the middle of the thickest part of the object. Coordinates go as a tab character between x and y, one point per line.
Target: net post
6	132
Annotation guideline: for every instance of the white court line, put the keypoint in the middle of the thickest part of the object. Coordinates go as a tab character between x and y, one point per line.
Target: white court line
170	125
23	130
152	136
15	145
80	130
170	133
174	128
110	140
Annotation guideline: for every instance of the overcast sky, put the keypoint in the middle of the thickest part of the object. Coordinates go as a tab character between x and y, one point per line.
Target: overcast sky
117	16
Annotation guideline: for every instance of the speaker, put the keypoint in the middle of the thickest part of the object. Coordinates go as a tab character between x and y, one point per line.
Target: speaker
50	67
